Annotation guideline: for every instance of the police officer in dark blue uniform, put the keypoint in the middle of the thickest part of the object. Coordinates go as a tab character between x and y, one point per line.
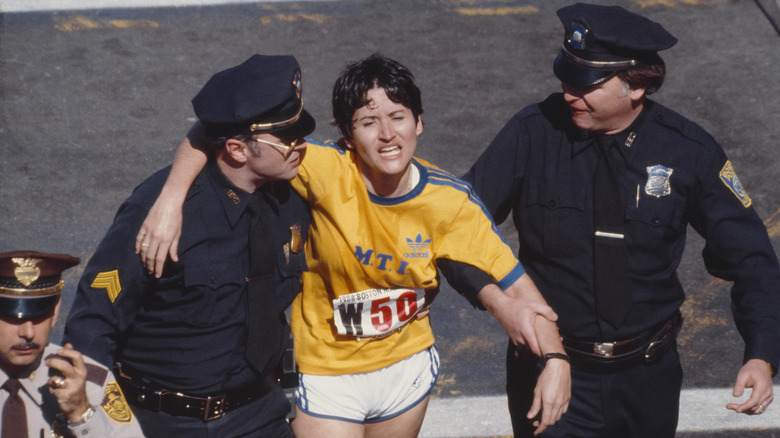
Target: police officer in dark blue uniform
602	183
197	349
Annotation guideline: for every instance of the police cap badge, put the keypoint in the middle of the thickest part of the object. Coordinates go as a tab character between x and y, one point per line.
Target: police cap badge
30	282
600	40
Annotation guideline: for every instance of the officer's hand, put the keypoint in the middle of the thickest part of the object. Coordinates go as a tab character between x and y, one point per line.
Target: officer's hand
551	395
516	315
159	235
71	392
755	374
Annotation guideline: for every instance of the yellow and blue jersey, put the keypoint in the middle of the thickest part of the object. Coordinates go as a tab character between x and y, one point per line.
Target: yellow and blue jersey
371	258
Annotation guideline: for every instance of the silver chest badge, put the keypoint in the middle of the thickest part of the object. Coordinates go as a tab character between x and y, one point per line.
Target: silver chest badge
658	181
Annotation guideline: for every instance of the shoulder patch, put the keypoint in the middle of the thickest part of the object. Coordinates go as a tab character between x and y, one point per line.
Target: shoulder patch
110	282
729	178
114	404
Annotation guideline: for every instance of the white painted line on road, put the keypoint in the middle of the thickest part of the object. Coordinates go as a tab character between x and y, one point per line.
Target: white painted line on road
60	5
700	410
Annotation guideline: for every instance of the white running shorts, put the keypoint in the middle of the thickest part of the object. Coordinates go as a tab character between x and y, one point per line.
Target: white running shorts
372	396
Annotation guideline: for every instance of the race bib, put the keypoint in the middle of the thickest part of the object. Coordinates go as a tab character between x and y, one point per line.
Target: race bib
376	312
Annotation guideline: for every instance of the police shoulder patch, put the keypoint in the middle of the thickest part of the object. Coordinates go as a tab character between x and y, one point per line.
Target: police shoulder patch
110	282
114	404
729	178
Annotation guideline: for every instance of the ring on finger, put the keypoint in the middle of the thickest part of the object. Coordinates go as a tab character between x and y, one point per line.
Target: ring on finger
760	409
145	245
58	381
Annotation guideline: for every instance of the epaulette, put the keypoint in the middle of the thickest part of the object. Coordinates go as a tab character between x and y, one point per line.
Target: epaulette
96	374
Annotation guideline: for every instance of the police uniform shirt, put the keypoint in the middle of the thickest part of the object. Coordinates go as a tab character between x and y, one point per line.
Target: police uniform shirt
112	419
187	330
541	168
371	258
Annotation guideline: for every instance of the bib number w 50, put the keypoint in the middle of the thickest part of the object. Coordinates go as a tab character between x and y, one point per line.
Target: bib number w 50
376	312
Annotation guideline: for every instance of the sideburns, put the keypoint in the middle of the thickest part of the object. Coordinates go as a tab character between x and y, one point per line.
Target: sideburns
626	87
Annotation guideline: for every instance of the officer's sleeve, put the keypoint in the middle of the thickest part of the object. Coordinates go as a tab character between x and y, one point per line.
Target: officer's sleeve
113	417
468	280
110	289
738	249
494	175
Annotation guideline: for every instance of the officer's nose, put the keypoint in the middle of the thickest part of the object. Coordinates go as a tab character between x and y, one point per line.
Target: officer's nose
25	330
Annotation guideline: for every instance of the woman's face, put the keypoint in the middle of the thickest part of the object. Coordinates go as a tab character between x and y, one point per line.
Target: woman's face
384	135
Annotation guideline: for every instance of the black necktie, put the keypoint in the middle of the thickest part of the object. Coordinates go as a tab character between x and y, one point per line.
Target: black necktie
14	414
612	277
265	336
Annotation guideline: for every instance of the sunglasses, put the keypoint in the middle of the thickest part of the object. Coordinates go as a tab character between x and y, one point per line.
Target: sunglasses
288	148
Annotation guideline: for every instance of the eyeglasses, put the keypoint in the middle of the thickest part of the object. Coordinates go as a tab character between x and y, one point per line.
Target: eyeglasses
288	148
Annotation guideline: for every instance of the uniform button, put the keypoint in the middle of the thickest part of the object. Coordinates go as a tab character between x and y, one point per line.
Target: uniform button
552	203
213	280
656	221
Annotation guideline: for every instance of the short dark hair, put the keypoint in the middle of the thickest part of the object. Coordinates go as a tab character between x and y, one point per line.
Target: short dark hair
376	71
649	77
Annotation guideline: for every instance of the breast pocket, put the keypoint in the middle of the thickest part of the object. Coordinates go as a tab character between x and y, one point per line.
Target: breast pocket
656	232
555	219
212	293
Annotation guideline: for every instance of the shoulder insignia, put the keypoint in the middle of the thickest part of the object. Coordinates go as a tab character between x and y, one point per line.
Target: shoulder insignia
114	404
729	178
96	374
110	282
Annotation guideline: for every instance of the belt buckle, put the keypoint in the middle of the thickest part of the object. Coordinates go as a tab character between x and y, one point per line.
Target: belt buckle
604	349
215	407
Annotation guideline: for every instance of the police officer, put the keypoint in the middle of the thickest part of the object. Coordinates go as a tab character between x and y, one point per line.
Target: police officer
197	349
602	183
48	390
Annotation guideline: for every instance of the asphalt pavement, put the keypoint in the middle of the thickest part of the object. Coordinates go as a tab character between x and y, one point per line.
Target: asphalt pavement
95	97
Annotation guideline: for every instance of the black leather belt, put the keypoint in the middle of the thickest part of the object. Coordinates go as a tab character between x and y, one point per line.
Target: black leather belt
209	407
611	356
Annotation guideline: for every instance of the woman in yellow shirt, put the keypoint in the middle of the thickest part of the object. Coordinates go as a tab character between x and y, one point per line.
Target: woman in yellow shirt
381	218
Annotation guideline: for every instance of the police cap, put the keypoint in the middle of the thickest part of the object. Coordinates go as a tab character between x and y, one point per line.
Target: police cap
30	282
261	95
600	41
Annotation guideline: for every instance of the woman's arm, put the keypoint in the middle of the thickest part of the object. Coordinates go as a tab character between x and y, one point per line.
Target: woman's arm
160	232
553	388
520	306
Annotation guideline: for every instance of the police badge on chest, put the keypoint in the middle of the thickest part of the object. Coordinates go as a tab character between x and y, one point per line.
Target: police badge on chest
658	181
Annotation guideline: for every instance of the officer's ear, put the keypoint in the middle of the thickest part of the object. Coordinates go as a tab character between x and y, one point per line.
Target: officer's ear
237	150
636	94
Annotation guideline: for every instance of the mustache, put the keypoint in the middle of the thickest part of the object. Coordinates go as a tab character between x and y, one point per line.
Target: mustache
26	344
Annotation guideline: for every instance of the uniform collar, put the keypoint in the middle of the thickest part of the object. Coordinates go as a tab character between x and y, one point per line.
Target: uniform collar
233	200
36	380
626	139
